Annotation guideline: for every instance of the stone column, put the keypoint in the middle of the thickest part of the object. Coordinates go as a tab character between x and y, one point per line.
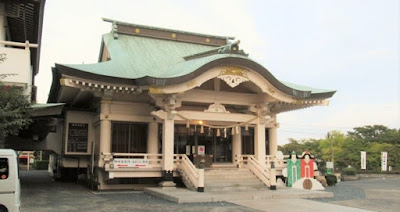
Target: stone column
273	146
259	141
105	129
168	153
273	140
152	138
236	145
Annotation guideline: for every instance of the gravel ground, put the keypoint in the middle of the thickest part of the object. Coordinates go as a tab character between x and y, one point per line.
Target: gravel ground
343	191
39	193
376	194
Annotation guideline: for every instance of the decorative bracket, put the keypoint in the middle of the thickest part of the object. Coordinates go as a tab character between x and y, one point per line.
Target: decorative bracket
233	76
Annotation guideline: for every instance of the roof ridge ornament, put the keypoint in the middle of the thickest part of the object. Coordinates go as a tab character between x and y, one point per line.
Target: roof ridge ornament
231	48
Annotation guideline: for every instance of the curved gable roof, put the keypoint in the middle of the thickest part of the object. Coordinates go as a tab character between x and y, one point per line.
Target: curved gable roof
138	60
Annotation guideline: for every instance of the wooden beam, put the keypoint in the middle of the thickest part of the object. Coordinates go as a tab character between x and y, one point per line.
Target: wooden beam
223	97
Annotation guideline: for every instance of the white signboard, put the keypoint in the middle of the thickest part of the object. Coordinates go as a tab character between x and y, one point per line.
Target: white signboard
201	150
130	163
384	161
187	149
329	165
363	160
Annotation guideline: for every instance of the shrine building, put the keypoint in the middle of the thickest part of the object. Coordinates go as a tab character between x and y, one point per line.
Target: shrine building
167	106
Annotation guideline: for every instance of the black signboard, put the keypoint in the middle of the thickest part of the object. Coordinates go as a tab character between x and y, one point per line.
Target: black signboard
77	137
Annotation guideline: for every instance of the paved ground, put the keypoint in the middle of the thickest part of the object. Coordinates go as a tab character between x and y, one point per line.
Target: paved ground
377	194
39	193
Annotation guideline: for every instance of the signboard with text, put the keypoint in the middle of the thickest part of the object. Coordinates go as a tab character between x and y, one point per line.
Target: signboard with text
130	163
77	137
363	160
384	161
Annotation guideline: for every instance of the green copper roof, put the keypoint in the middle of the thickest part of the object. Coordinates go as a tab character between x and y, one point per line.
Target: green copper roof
41	106
305	88
150	61
135	57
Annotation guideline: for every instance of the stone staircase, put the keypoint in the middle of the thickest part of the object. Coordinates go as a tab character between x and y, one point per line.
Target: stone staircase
231	179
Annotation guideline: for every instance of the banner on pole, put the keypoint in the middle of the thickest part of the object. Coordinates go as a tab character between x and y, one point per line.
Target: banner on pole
363	160
384	161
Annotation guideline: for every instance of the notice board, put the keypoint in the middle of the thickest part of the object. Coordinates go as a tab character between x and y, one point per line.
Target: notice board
77	137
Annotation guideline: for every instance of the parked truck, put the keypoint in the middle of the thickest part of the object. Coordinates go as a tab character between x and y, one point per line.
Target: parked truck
10	188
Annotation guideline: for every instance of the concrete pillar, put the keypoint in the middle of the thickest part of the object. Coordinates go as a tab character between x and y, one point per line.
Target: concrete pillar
105	129
168	153
3	20
152	138
273	138
236	145
273	145
259	141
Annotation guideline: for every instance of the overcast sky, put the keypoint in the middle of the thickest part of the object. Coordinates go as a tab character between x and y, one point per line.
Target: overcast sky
351	46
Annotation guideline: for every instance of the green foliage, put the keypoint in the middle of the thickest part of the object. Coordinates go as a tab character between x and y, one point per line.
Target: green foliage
14	110
40	164
349	171
331	179
347	147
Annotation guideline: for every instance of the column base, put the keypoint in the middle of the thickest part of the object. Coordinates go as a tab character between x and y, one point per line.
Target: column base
167	184
167	179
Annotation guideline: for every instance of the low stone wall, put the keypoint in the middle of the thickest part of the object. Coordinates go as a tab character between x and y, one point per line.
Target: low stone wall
379	175
350	178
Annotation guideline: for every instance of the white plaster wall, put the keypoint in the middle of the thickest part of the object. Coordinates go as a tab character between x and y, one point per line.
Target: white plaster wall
17	63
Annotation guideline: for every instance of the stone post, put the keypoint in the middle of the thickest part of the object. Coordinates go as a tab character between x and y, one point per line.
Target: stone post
105	129
259	141
236	146
168	152
273	140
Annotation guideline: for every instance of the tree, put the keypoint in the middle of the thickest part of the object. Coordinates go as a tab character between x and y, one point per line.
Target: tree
376	133
14	110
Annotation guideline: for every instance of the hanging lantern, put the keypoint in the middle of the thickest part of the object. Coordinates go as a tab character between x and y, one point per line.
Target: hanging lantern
233	131
225	133
246	127
201	129
218	133
209	131
187	124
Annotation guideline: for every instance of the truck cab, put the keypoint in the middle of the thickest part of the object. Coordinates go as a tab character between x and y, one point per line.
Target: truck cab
10	188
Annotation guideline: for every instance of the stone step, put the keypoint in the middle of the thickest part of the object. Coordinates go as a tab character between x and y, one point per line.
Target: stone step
236	188
227	172
226	177
232	179
235	184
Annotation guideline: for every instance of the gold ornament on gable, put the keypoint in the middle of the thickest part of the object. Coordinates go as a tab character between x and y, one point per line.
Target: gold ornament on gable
156	90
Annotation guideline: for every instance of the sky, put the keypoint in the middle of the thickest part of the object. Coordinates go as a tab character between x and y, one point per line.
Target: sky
351	46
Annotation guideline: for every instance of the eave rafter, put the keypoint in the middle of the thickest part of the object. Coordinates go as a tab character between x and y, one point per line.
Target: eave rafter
299	104
84	84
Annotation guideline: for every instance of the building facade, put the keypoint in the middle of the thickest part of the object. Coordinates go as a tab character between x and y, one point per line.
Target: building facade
164	104
20	36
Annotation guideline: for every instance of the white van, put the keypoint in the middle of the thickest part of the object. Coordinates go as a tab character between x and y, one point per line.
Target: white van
10	188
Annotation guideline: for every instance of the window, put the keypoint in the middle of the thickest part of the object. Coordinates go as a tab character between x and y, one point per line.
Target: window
3	168
129	138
